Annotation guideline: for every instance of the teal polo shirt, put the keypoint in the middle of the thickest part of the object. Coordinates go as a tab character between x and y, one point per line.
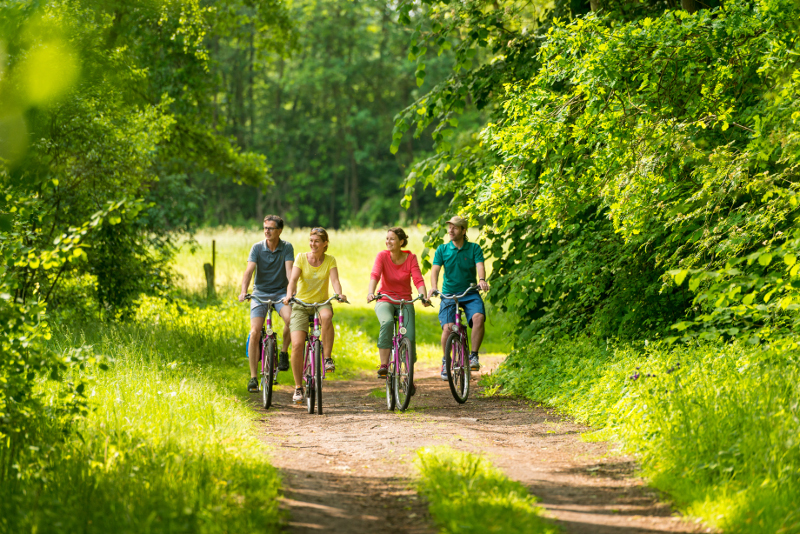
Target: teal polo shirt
459	264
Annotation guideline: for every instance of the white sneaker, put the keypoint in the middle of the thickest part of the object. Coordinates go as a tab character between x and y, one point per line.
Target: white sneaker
297	398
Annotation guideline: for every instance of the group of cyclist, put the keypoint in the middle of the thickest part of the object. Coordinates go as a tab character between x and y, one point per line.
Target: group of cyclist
280	276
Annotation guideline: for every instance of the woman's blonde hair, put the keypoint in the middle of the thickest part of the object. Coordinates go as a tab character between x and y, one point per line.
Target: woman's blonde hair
320	231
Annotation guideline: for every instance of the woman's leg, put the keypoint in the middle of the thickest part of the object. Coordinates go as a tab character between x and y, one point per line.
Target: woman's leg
385	313
326	320
298	346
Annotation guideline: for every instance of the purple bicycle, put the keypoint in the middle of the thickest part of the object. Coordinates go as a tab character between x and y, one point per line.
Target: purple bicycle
400	375
314	359
269	344
456	351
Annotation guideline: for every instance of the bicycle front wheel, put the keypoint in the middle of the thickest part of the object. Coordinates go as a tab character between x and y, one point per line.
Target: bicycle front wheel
267	370
318	363
390	372
404	375
457	368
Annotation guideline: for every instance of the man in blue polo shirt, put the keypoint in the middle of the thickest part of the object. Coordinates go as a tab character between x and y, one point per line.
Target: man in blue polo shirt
272	259
463	264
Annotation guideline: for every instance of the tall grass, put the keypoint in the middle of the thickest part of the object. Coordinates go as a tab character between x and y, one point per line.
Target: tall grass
714	426
168	447
467	494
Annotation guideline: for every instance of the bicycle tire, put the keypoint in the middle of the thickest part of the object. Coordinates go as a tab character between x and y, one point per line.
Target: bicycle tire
310	396
457	368
318	363
309	378
390	386
404	375
267	371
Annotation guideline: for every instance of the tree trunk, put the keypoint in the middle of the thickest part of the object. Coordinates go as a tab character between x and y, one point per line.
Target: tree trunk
689	5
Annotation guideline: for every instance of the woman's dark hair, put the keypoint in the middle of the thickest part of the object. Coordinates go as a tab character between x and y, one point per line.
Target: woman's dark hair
401	235
274	218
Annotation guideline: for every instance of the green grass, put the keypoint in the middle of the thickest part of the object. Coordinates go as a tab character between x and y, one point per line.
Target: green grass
169	445
718	433
467	494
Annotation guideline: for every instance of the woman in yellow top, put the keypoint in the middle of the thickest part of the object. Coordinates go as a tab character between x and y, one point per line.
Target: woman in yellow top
310	276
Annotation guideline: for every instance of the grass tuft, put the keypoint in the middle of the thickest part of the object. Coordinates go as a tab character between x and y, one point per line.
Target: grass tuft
467	494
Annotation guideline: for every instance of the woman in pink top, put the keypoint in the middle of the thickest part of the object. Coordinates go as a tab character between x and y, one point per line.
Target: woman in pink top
396	269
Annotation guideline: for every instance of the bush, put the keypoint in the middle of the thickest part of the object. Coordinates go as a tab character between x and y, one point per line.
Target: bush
714	426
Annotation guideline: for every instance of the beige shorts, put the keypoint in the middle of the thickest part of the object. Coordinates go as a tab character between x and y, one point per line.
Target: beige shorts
300	317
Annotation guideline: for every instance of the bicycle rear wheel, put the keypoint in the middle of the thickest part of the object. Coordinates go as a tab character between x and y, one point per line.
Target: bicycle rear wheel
457	368
404	375
267	370
318	363
390	385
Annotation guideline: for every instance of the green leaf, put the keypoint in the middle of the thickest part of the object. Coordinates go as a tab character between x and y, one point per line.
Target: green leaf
765	259
681	276
790	259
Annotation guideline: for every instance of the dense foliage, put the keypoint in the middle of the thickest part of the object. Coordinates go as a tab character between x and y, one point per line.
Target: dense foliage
665	143
99	114
320	108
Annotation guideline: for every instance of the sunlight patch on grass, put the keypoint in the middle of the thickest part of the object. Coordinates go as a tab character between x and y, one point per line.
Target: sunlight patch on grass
467	494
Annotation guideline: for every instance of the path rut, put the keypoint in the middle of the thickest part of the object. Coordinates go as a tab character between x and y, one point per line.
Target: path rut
350	469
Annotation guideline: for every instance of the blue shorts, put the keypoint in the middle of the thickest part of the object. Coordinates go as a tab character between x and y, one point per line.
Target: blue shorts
472	304
260	310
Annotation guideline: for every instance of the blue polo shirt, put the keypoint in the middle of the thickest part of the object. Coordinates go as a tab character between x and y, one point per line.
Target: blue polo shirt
271	267
459	264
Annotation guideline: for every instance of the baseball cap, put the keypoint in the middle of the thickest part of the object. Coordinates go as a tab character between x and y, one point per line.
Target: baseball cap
458	221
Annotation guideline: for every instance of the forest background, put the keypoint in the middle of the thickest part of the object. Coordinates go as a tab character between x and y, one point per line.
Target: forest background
632	167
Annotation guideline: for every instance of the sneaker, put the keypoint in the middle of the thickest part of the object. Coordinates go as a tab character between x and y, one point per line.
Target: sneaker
283	361
383	370
297	398
444	372
252	386
474	364
329	365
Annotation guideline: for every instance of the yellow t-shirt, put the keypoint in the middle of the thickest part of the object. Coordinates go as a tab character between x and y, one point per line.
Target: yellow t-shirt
313	283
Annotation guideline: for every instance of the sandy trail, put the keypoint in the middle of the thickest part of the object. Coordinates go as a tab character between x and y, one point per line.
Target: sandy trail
350	469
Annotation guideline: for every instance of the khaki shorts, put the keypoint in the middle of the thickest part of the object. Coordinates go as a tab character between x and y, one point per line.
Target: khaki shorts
300	315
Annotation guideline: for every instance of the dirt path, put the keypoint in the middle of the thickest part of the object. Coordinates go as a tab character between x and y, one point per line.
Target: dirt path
349	470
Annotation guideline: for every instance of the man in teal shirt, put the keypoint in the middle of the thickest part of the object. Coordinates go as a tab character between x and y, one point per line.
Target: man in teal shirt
463	266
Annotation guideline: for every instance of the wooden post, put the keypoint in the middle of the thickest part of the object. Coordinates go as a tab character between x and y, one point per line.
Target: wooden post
210	269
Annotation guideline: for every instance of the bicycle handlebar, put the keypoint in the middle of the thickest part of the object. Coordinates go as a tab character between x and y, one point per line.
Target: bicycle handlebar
379	296
318	304
439	294
250	296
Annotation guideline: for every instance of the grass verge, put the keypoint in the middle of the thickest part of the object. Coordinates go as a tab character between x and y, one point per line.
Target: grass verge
467	494
716	427
169	445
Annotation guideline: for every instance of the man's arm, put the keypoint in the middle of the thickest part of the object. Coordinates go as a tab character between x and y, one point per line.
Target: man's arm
248	273
435	277
482	276
289	265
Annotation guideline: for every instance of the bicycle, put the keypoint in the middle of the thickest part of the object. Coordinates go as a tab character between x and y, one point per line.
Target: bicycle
456	351
400	374
269	343
313	358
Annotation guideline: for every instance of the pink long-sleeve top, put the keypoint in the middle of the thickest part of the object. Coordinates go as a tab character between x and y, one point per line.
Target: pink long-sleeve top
395	278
